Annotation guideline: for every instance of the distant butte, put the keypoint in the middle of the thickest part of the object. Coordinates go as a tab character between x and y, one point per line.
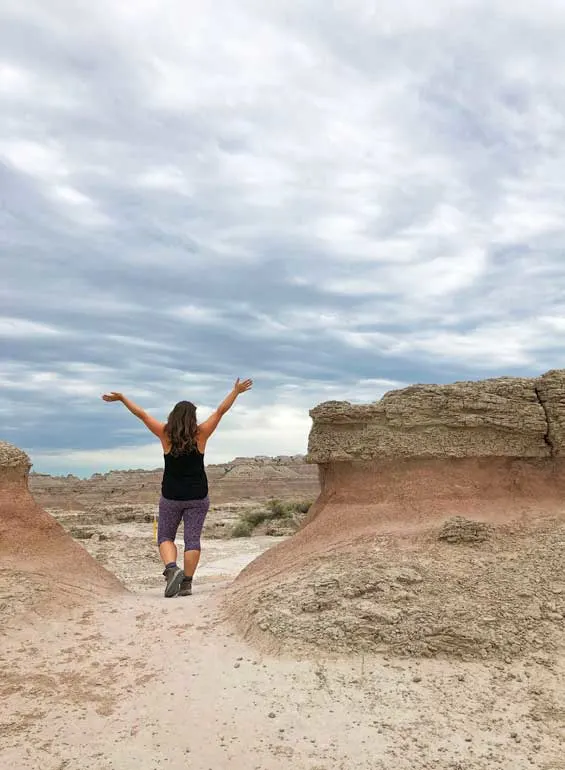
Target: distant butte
244	478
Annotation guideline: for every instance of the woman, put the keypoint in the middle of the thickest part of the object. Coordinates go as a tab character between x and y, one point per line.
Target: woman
184	489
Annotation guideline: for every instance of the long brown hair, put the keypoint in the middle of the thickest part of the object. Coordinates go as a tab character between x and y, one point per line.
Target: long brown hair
181	428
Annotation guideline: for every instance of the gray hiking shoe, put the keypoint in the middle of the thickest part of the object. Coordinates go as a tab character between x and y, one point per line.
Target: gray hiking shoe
186	587
174	577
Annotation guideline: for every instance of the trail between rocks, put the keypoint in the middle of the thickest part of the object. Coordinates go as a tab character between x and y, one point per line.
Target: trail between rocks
147	683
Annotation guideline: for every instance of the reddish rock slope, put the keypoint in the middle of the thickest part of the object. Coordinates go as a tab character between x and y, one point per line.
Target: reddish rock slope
41	565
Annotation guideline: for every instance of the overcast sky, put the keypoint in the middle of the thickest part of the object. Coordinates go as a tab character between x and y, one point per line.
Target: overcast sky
332	198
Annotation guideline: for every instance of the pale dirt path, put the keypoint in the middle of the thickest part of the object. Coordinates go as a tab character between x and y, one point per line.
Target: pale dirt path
146	683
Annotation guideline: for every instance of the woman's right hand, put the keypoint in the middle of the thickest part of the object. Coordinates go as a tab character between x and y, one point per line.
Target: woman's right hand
113	396
242	387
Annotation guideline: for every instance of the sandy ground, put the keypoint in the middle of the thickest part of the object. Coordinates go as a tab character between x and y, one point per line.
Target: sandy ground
148	683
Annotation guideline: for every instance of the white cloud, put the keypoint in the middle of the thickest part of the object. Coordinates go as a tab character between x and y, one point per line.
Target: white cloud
86	462
127	341
501	344
196	314
78	206
14	81
524	216
70	195
72	381
165	178
43	160
38	382
306	396
20	327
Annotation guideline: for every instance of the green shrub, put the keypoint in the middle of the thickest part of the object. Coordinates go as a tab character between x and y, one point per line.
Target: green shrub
279	510
254	518
273	511
242	529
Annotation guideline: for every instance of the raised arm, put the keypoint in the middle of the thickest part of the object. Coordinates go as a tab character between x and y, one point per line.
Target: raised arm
153	424
209	426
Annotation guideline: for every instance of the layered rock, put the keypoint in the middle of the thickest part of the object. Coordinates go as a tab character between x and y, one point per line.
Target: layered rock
41	565
494	418
481	461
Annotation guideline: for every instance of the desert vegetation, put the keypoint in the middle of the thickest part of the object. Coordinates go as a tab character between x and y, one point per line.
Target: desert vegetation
272	517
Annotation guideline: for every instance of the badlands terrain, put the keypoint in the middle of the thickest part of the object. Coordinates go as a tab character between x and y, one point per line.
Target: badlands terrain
249	496
245	478
415	619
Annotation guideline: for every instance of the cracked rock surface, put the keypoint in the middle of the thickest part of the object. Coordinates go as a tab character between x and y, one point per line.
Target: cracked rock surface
502	417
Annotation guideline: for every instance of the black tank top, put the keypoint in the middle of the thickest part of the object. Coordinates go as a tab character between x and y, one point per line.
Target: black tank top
184	477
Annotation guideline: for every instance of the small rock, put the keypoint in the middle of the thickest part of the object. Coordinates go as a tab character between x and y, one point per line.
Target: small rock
272	715
461	530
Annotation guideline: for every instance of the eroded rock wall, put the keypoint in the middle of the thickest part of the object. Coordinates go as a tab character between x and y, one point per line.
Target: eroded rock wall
372	568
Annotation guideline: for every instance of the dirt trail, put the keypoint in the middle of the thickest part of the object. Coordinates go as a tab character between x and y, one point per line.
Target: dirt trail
147	683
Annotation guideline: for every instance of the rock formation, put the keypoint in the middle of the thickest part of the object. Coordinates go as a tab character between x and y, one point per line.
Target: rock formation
440	527
41	565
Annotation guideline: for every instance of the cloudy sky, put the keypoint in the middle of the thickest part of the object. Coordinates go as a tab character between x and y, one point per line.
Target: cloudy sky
332	198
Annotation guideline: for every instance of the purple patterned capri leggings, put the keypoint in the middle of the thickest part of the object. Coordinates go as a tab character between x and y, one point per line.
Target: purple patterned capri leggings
191	512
